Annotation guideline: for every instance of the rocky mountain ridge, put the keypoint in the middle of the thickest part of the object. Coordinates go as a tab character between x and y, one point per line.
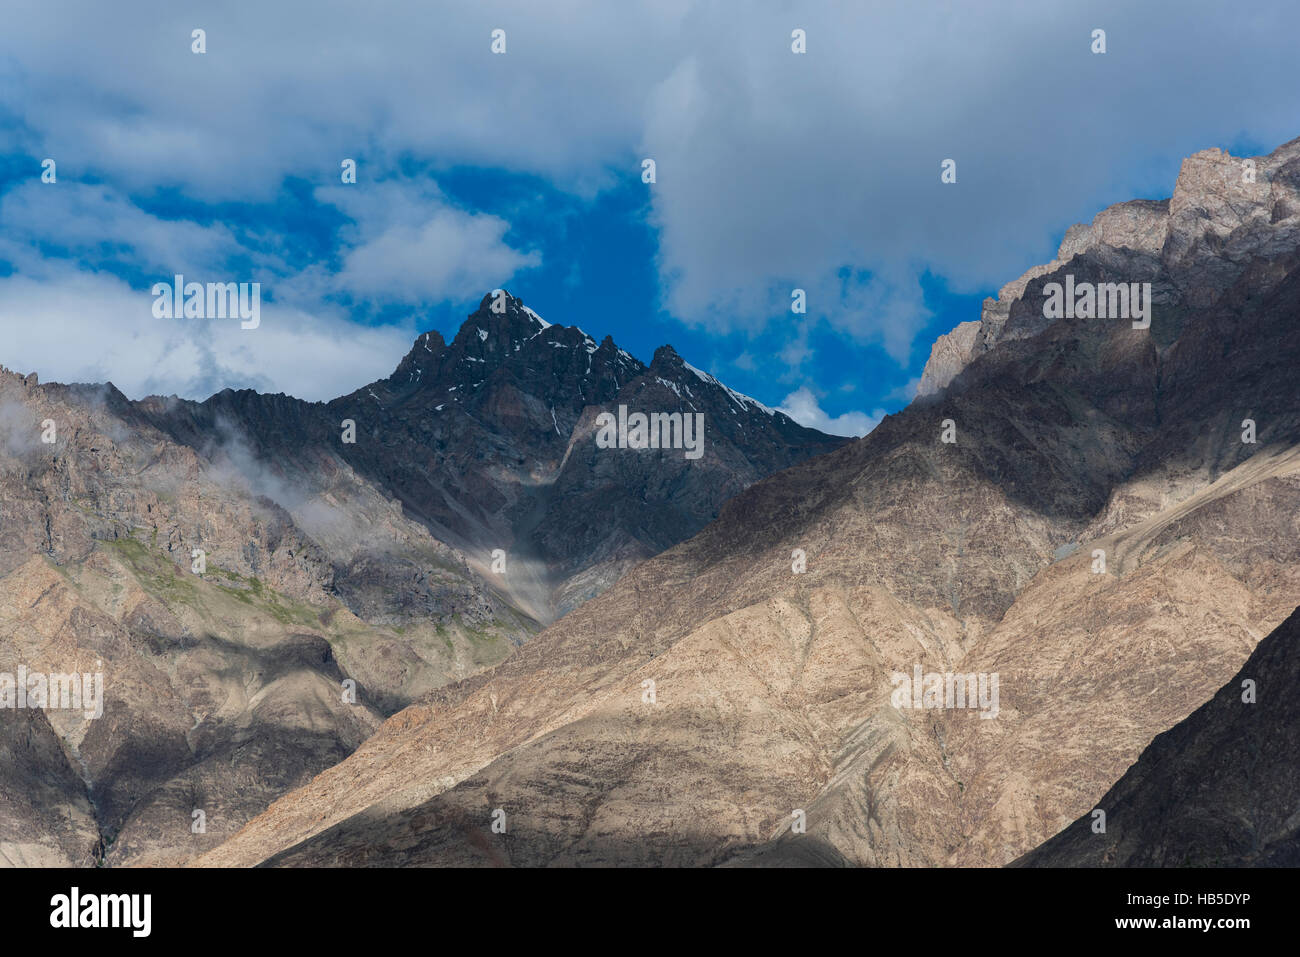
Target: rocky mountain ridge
489	441
1217	199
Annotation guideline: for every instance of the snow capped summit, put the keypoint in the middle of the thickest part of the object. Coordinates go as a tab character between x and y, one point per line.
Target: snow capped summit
738	397
544	324
501	354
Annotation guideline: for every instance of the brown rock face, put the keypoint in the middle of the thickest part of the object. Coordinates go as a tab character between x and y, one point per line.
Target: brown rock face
1219	789
1099	537
219	688
950	354
1225	214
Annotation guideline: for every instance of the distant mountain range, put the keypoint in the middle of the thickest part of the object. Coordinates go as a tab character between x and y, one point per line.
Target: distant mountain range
488	442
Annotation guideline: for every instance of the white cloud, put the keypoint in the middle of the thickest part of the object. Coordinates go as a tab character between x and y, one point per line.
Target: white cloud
410	245
779	170
97	221
774	170
802	406
84	327
905	392
445	257
70	322
292	88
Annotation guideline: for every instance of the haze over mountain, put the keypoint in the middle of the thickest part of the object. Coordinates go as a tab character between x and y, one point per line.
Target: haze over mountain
1112	532
226	565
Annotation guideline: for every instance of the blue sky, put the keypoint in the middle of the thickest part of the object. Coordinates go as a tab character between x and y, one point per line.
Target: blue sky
775	170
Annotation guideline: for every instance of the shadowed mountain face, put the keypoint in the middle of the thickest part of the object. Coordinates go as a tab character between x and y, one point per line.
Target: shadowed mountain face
1220	789
258	594
1107	534
490	442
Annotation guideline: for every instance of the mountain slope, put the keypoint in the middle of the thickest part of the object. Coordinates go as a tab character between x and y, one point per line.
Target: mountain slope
773	686
1219	789
220	687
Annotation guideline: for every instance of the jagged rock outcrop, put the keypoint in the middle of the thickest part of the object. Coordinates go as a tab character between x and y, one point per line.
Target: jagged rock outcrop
1225	212
950	354
489	442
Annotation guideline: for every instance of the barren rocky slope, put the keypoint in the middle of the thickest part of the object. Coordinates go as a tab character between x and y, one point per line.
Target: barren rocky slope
772	687
220	689
1219	789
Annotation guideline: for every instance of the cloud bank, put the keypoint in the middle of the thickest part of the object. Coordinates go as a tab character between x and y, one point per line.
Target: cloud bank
775	170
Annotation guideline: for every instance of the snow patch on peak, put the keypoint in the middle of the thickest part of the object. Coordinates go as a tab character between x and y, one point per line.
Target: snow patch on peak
669	385
544	324
702	376
739	398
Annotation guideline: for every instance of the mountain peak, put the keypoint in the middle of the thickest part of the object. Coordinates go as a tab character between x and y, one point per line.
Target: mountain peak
500	305
1219	201
502	319
666	357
